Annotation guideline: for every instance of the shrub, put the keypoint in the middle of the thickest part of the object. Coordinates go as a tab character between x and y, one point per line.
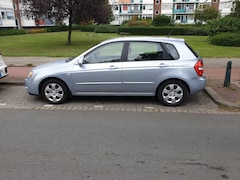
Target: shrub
105	29
11	32
34	31
125	22
161	20
226	39
138	22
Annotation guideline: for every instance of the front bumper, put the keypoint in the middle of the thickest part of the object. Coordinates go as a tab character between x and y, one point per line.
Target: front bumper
3	72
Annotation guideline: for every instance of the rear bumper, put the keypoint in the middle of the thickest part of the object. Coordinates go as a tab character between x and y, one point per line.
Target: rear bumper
200	85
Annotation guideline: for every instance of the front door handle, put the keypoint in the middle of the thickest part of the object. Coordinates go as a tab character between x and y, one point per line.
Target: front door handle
113	67
162	65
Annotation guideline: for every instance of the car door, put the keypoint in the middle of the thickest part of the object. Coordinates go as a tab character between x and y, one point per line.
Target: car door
144	68
100	71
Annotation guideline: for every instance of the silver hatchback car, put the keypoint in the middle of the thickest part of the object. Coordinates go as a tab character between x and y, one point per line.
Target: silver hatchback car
126	66
3	68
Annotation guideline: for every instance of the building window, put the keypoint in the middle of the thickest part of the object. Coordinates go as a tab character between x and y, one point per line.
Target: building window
157	1
125	7
179	6
10	15
215	1
15	6
157	12
3	13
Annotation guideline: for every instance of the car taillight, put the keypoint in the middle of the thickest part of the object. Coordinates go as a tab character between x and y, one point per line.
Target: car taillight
199	67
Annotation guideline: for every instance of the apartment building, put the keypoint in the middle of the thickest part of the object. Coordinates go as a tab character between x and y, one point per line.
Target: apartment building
7	17
13	14
180	11
23	20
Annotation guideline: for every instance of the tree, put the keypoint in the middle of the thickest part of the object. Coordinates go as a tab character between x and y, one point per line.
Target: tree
97	10
222	25
236	12
74	10
208	13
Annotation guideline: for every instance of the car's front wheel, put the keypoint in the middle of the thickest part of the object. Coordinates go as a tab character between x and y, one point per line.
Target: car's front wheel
54	91
172	93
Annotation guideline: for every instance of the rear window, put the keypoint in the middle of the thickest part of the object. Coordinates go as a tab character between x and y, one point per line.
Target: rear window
172	51
150	51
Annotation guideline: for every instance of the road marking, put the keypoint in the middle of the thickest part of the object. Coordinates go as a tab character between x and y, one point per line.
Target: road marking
98	106
149	107
48	105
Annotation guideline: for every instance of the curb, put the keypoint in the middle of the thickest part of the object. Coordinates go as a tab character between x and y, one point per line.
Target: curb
16	83
219	100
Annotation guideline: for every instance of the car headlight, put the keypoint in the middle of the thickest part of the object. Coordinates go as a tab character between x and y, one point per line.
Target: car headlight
30	74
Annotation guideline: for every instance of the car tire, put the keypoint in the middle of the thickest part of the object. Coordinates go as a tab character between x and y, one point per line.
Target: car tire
172	93
54	91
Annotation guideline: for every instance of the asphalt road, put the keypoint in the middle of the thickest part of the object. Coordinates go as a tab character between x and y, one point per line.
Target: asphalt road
76	145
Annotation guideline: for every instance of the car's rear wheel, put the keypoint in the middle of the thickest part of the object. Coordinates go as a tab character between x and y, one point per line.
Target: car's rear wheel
172	93
54	91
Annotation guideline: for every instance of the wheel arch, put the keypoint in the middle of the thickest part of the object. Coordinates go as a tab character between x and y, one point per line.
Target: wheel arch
54	78
173	79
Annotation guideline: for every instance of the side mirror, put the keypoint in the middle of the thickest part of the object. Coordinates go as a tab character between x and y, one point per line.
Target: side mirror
80	61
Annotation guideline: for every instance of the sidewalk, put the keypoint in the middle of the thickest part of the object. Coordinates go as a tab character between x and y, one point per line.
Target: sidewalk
215	69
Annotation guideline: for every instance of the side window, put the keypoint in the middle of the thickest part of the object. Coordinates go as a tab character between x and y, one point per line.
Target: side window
107	53
172	52
144	51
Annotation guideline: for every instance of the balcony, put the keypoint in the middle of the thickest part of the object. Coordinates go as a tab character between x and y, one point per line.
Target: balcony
183	11
179	11
135	11
185	1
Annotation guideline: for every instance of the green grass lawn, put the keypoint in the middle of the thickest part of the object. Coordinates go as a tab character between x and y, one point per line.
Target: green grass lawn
54	45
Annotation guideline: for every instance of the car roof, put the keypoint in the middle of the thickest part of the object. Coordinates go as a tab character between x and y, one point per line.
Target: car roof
145	38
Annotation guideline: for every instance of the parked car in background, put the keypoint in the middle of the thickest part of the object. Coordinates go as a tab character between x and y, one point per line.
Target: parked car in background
3	68
127	66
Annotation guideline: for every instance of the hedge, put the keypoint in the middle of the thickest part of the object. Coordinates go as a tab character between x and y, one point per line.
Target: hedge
87	28
163	31
226	39
11	32
106	29
62	28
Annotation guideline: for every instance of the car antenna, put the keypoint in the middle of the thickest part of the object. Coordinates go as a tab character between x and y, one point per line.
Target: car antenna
170	33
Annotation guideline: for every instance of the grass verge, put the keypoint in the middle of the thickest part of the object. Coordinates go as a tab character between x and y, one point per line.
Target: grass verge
54	45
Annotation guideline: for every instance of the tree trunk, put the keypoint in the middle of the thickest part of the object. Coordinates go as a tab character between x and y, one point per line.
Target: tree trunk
70	29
